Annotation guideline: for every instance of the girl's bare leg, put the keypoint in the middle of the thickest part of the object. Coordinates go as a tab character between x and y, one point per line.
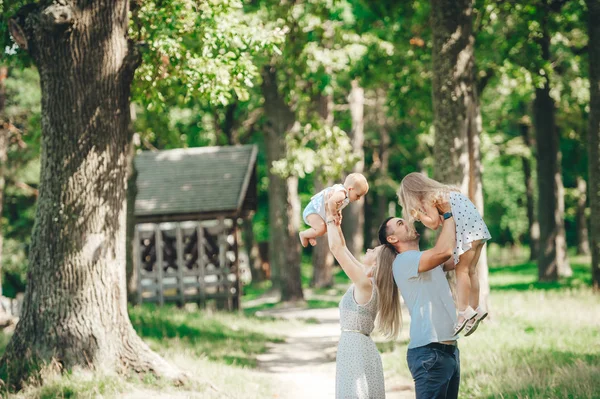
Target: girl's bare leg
463	283
474	276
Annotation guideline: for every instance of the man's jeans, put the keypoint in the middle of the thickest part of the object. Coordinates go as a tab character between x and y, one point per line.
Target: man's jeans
436	371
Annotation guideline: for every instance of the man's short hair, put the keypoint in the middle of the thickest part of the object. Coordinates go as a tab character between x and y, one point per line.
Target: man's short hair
383	232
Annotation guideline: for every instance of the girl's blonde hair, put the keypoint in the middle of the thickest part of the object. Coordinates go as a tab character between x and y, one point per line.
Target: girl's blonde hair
389	317
415	189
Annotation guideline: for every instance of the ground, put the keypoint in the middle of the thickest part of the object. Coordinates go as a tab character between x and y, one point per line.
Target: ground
542	341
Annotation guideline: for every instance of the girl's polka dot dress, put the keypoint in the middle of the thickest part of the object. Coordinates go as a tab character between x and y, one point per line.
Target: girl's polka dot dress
470	226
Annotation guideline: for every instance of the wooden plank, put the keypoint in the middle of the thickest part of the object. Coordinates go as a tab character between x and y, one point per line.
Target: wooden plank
180	263
201	263
159	263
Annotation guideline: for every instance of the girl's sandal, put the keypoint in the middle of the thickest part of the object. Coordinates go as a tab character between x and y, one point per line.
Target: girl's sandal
467	315
474	322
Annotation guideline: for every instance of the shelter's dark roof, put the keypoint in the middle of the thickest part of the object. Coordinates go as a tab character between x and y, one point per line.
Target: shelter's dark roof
194	180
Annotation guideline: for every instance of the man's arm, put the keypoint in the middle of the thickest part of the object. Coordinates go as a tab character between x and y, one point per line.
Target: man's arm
449	264
445	244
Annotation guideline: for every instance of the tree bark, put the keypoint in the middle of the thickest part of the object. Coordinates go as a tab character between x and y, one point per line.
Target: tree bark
457	116
594	137
583	242
552	251
284	244
75	307
534	226
4	136
354	218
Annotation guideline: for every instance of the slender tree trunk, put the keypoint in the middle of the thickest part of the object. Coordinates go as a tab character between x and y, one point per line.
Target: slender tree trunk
552	254
594	137
4	136
75	307
322	258
534	226
284	244
354	218
383	160
251	246
457	116
583	242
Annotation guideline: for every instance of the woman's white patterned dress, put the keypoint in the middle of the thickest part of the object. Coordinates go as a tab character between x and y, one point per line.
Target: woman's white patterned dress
359	371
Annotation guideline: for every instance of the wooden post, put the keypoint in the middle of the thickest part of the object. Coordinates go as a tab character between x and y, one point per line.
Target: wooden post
180	264
201	263
159	263
238	283
223	275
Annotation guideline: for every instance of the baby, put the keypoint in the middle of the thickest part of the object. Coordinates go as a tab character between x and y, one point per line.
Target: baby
336	197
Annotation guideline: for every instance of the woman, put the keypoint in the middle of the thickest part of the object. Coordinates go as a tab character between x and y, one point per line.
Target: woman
373	295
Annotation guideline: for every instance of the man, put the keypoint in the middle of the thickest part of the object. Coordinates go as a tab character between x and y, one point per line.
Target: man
433	356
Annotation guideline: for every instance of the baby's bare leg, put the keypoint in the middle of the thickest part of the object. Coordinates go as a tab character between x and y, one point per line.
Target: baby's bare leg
317	229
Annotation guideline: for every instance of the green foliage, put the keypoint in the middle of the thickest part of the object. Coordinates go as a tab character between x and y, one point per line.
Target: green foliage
198	49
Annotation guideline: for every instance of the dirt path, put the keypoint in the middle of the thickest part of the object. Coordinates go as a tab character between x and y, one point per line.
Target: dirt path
304	365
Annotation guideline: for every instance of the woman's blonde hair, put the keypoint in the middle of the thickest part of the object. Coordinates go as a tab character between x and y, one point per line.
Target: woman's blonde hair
389	316
415	189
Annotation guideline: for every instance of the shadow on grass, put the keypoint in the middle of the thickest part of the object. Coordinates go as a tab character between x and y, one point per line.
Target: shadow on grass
545	373
203	336
524	277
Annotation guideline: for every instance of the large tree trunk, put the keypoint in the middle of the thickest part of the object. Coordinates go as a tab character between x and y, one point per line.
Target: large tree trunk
594	137
284	244
583	242
75	307
457	117
552	251
4	135
534	226
354	217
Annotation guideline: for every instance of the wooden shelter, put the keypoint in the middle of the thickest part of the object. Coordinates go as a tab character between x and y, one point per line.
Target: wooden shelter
186	212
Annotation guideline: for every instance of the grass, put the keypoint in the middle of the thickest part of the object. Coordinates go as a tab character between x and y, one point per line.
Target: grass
217	349
543	340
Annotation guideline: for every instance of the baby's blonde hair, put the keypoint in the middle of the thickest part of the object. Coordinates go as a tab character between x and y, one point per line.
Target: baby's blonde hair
416	189
358	181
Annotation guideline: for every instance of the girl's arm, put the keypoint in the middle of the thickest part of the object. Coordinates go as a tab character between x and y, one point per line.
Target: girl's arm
431	218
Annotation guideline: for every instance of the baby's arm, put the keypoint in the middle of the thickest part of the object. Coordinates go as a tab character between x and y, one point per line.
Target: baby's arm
431	216
334	202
